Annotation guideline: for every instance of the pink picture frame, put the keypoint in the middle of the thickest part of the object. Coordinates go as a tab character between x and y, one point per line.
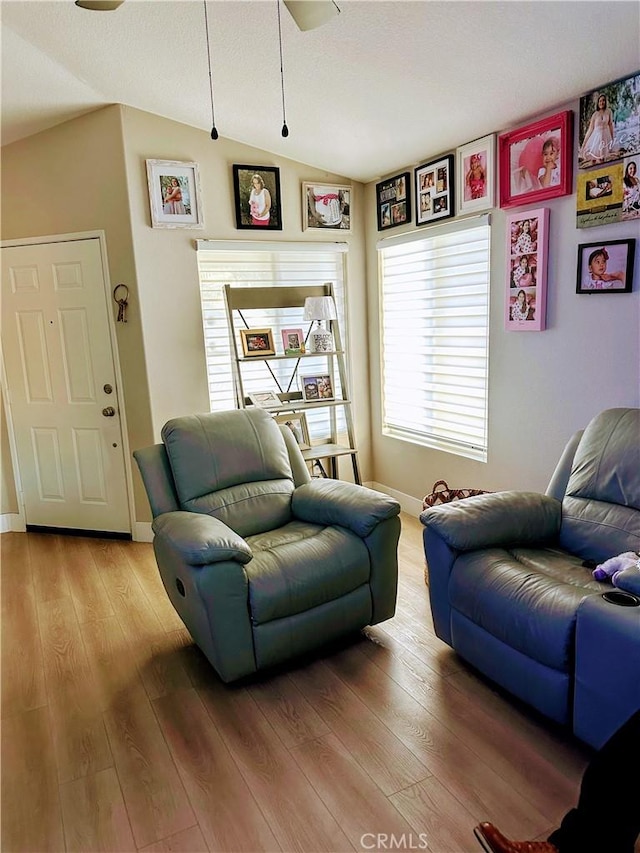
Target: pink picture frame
527	238
536	161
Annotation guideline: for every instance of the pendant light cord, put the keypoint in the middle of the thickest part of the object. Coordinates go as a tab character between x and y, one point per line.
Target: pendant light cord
214	132
285	129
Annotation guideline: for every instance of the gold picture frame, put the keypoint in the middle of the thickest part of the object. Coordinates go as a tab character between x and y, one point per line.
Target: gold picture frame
257	342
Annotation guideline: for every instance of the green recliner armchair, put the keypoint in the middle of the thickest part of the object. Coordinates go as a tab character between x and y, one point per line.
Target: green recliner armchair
261	562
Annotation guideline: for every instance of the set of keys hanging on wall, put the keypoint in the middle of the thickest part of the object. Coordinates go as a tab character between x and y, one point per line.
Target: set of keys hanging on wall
121	296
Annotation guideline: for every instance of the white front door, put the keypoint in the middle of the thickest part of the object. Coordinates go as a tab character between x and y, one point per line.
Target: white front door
62	389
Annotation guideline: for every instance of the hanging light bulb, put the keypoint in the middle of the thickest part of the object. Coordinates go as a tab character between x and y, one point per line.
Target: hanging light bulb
214	130
285	129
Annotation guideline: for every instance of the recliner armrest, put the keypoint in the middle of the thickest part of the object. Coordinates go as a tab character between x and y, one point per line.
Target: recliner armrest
201	539
357	508
500	518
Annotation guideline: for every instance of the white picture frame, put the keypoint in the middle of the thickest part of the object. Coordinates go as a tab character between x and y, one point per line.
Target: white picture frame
476	193
265	399
182	179
326	207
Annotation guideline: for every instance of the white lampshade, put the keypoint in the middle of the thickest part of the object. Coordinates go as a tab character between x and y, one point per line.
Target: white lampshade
319	308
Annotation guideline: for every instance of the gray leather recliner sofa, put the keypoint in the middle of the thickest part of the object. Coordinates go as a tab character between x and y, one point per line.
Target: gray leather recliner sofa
261	562
510	591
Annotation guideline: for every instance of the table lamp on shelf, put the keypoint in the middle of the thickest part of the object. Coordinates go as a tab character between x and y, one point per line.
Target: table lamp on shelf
319	309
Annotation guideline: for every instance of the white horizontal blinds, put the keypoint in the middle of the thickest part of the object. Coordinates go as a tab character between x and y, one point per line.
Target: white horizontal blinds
435	324
264	265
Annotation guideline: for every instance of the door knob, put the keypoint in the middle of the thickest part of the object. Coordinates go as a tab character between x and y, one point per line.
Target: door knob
109	412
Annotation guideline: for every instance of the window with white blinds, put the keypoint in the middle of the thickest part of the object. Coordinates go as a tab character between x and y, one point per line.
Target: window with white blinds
435	336
244	264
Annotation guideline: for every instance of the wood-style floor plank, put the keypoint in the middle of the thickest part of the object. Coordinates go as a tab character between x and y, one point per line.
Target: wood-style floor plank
153	793
362	810
498	745
294	719
87	590
378	751
446	756
188	841
441	821
95	818
79	735
143	563
114	669
31	816
23	686
138	620
298	818
227	813
48	566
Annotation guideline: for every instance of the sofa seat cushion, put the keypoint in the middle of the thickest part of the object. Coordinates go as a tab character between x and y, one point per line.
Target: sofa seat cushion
526	597
300	566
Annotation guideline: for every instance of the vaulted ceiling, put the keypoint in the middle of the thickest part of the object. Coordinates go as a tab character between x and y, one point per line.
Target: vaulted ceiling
381	86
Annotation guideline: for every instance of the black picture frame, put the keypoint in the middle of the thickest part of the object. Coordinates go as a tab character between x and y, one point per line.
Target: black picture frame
434	188
618	261
242	186
393	201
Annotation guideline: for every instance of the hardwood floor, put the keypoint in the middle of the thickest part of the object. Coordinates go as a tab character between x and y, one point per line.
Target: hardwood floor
117	735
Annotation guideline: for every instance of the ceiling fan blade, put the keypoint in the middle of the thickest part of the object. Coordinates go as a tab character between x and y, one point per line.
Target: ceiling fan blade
309	14
99	5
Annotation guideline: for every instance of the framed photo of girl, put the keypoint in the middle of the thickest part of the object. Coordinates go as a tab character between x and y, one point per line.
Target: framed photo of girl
174	194
605	267
526	265
609	123
257	197
434	184
536	161
326	206
393	201
475	172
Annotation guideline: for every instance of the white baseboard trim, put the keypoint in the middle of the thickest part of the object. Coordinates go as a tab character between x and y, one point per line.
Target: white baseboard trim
12	522
142	532
409	504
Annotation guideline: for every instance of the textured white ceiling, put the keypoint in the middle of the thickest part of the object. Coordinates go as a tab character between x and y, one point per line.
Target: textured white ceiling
381	86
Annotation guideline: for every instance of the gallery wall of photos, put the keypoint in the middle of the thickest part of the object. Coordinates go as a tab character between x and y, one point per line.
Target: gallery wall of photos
531	165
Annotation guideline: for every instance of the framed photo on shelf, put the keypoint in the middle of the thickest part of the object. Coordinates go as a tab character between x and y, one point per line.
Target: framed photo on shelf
257	197
536	161
434	190
526	265
293	341
605	267
265	399
257	342
297	423
174	194
393	201
316	388
475	172
326	207
609	123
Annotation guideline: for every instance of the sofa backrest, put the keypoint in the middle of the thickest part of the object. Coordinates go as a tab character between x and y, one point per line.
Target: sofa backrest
231	465
601	506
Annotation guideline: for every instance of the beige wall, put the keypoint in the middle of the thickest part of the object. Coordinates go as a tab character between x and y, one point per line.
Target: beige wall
90	173
167	271
8	498
70	179
542	385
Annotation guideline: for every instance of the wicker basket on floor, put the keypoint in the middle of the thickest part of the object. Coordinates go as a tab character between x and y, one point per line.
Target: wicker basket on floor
442	494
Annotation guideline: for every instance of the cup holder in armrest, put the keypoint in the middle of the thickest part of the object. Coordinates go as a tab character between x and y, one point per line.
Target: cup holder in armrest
623	599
